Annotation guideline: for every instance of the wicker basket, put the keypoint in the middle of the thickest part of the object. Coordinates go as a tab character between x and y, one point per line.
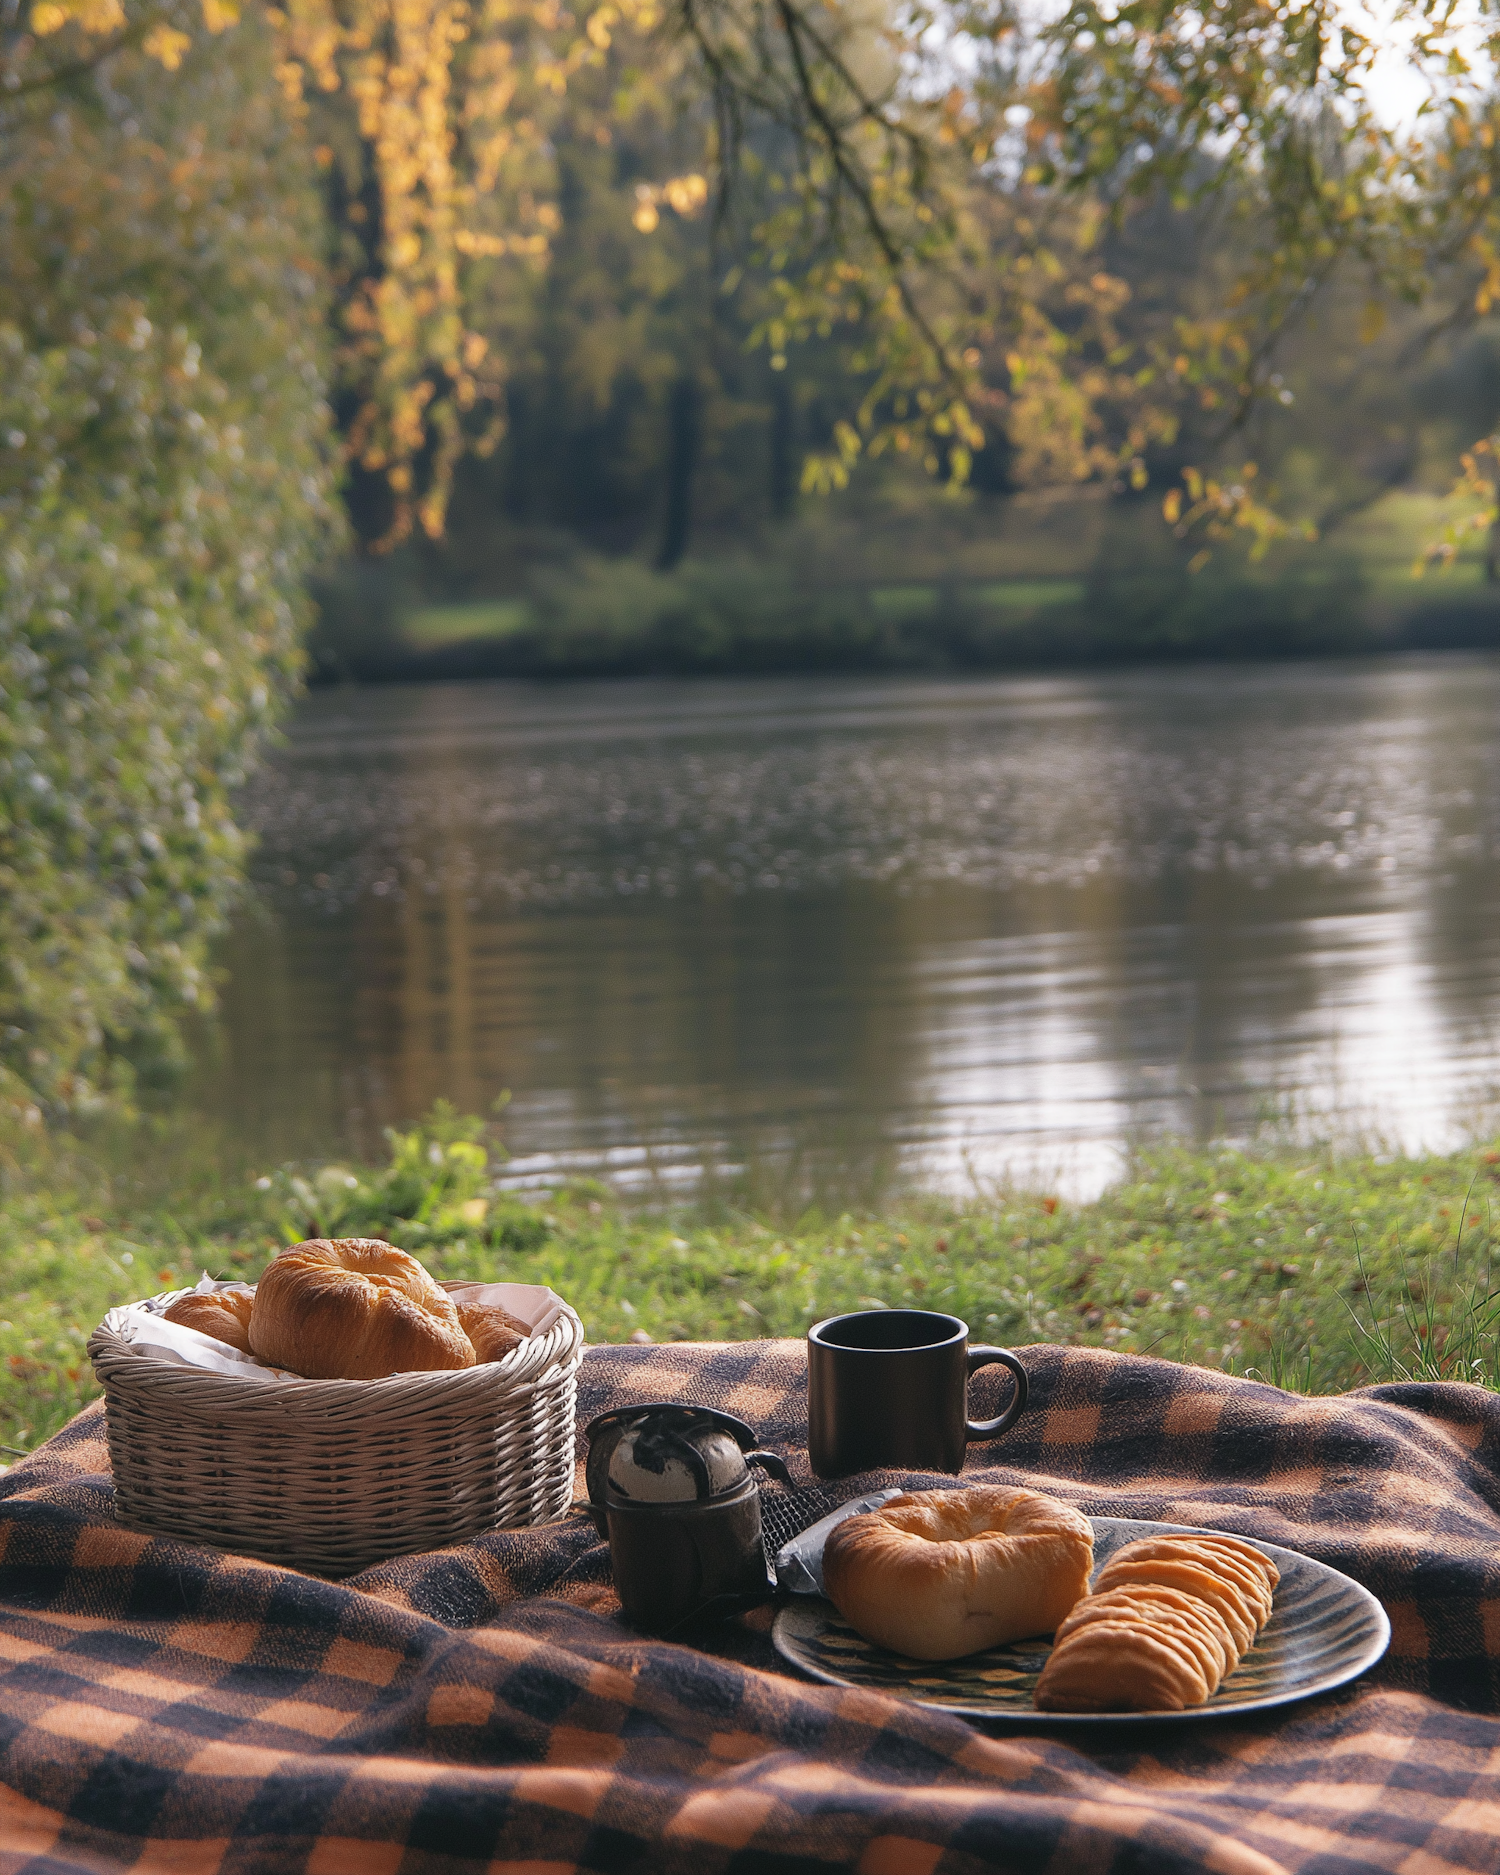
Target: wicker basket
330	1476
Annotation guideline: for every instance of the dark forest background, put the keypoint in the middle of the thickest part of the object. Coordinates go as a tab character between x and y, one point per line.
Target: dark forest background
649	505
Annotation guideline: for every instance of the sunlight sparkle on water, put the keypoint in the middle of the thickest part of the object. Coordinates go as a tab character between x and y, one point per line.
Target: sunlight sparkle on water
965	928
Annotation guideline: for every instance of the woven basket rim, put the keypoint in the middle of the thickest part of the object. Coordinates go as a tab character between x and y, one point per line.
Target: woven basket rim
113	1356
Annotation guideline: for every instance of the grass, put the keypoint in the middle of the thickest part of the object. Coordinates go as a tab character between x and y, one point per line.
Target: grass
435	627
1316	1272
915	602
1031	592
966	585
1114	586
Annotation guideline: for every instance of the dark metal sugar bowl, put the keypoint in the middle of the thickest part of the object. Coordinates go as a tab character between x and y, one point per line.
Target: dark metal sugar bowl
672	1488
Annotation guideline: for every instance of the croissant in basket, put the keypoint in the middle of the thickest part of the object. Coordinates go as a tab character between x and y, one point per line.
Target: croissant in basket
224	1314
492	1330
331	1476
353	1308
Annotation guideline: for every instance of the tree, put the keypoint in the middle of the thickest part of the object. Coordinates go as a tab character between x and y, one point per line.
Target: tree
1273	113
892	139
432	120
165	478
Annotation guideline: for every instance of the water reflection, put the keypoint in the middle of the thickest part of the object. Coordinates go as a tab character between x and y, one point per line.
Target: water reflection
967	927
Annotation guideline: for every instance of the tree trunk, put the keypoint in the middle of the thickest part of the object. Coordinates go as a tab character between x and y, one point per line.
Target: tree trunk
783	447
1492	542
682	463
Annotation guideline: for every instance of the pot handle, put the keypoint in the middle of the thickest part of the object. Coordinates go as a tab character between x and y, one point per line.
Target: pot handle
992	1428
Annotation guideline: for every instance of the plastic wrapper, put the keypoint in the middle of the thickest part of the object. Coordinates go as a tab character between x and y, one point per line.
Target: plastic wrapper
799	1564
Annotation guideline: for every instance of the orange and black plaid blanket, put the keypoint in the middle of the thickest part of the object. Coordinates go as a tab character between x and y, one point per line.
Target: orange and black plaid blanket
173	1710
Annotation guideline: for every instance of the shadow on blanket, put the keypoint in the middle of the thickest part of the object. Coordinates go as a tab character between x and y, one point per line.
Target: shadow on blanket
166	1707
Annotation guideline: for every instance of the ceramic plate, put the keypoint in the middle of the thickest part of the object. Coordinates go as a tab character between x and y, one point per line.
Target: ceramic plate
1324	1631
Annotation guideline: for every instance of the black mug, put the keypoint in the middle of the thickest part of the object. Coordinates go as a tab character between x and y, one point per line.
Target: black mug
887	1390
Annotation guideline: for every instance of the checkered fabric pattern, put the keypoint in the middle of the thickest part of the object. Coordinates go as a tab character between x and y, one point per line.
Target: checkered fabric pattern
174	1710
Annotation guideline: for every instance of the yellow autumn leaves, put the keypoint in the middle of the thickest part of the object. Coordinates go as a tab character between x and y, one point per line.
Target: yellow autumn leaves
94	16
102	18
684	195
1218	507
443	106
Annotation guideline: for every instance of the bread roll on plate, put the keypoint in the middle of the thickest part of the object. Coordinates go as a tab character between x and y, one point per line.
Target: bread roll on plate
353	1308
938	1574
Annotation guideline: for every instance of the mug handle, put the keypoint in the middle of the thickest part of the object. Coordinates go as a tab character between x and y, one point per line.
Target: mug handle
992	1428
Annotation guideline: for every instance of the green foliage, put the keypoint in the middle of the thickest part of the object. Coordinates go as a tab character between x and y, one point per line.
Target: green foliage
164	480
599	617
1335	418
705	616
437	1188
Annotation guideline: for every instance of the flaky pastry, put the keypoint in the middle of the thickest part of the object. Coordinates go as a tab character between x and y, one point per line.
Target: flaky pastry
1168	1621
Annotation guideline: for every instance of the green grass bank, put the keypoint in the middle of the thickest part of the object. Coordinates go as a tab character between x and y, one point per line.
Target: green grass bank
950	587
1311	1271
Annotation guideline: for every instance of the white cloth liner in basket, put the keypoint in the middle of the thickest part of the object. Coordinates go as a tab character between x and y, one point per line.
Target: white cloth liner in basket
332	1476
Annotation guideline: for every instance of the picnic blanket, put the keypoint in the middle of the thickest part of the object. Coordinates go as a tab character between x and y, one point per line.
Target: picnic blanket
170	1708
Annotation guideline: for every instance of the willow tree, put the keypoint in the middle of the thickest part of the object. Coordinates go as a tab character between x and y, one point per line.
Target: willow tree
870	212
940	173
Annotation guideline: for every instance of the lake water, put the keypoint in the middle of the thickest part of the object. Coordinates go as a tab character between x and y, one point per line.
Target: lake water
956	928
